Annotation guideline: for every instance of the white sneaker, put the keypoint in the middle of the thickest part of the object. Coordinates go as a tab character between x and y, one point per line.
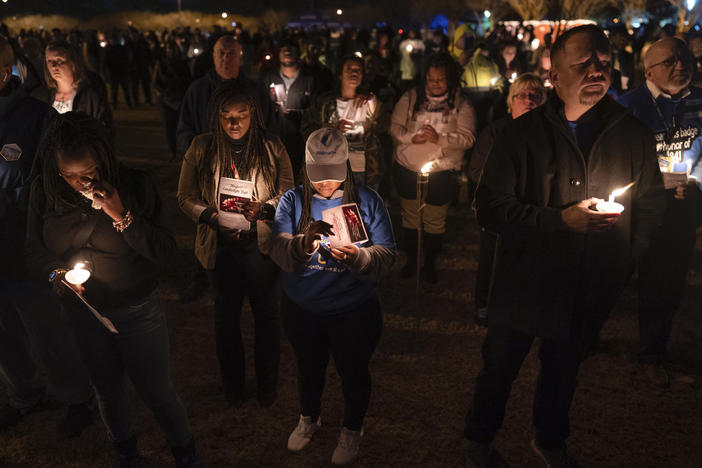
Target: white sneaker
346	450
301	436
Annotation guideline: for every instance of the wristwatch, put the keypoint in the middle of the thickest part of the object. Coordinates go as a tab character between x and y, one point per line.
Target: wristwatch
56	273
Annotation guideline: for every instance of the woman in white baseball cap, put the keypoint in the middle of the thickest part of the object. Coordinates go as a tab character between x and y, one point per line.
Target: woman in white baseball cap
330	303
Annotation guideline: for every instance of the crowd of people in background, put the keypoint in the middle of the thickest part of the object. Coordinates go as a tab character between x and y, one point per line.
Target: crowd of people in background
315	119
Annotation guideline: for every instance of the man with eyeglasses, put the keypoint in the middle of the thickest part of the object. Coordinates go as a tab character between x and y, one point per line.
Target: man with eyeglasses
672	109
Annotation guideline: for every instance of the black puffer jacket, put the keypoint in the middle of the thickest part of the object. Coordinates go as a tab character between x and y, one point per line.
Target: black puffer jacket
544	273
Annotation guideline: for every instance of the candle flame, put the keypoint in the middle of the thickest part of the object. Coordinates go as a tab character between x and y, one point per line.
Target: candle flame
79	266
426	169
620	191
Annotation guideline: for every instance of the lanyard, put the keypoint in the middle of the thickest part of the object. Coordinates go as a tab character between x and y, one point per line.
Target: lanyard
234	169
669	129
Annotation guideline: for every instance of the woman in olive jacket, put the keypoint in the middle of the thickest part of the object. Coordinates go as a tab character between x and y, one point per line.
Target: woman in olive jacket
233	232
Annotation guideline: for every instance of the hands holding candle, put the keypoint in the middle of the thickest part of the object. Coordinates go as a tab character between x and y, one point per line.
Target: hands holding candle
426	134
610	206
581	218
73	279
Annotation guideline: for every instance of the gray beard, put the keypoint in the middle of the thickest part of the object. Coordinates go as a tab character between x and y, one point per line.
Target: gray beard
589	99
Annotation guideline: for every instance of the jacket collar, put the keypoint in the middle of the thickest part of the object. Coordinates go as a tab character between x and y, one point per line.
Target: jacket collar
656	92
15	93
608	111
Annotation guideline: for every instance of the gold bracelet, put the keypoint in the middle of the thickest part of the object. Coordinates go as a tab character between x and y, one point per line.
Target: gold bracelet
123	223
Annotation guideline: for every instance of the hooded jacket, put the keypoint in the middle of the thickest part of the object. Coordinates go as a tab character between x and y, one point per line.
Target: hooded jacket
546	275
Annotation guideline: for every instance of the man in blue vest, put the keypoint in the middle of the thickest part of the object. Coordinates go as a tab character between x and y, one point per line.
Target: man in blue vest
672	109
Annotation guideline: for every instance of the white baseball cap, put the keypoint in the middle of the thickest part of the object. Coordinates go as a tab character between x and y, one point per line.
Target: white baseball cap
326	155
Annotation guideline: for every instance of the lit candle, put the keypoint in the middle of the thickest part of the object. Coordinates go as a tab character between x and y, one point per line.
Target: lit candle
426	169
610	206
78	275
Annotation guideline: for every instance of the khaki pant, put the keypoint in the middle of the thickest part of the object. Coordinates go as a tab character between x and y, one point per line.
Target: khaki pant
433	216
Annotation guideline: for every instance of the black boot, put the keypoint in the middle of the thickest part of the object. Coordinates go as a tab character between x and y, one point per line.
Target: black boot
186	456
432	246
127	453
409	245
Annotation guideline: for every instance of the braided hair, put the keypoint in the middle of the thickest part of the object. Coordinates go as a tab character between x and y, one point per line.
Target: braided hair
255	156
72	136
444	61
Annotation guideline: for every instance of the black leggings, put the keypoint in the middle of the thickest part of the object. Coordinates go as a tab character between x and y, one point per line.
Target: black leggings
351	338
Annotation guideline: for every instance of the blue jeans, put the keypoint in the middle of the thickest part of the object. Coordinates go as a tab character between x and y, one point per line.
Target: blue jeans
31	313
141	352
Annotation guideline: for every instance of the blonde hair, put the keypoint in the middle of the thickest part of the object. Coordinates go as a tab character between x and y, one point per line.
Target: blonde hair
523	81
73	58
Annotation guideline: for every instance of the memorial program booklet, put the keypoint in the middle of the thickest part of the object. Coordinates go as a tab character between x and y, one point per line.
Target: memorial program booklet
674	179
347	225
233	194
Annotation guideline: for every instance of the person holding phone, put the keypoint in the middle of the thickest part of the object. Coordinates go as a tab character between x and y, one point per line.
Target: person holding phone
233	247
330	303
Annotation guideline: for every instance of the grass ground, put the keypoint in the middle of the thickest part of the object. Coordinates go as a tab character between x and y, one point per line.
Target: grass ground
423	374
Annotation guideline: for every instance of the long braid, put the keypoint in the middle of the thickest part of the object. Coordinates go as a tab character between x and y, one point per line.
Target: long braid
71	136
255	157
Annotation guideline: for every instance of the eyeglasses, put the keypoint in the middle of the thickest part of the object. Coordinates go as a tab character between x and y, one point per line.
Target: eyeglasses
530	96
671	61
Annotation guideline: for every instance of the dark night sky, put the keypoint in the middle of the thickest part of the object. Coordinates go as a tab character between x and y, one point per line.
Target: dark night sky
94	7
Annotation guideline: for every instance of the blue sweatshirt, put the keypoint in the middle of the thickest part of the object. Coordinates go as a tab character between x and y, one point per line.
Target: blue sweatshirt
682	140
330	287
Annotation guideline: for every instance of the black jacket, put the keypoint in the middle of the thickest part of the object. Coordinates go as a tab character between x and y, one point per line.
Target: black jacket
299	96
22	123
90	98
548	281
124	265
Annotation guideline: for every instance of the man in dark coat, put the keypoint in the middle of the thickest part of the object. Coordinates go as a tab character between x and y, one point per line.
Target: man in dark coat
291	87
227	57
559	265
